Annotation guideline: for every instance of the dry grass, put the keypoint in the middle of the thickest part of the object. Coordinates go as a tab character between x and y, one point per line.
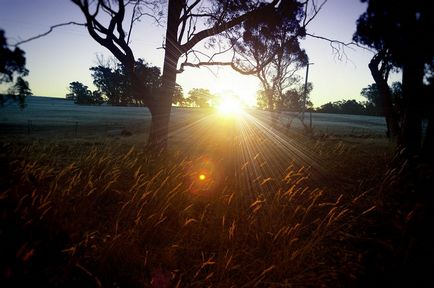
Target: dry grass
106	214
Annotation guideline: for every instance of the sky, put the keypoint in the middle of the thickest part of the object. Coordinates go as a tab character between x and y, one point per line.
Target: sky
66	54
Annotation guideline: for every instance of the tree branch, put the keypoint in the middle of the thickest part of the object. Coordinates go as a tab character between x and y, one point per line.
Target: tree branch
224	26
340	44
231	64
48	32
315	12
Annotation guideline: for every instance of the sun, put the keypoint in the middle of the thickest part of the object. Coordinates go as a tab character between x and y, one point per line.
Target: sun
229	106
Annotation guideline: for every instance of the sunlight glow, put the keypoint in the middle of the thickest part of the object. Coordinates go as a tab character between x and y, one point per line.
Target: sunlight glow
230	106
202	177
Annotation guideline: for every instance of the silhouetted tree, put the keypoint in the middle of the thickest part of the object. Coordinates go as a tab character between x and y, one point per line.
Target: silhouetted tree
182	35
374	97
293	99
372	94
344	107
111	82
12	62
401	32
20	90
80	94
116	85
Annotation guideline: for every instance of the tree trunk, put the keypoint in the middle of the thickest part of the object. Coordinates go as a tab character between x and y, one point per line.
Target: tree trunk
158	134
385	95
412	81
160	108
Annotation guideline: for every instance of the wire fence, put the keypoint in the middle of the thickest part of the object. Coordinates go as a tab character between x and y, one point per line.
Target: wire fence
333	124
34	127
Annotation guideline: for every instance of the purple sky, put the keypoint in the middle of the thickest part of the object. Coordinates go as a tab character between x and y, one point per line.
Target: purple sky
67	54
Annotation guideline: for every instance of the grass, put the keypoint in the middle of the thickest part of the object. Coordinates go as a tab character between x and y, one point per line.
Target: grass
104	213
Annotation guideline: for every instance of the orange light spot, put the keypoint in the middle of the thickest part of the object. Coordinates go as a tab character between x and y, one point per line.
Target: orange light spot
202	177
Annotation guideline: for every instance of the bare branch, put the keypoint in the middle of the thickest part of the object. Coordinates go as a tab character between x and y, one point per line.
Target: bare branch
338	46
132	21
138	13
231	64
315	11
48	32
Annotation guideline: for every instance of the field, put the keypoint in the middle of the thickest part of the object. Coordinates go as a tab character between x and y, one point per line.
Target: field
233	203
45	114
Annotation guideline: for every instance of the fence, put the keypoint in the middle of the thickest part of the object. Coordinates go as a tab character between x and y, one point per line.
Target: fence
338	124
72	128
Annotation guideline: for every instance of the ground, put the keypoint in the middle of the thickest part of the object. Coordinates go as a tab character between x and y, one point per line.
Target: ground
234	202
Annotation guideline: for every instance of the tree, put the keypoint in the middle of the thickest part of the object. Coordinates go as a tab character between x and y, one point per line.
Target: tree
372	94
80	94
200	97
111	82
261	100
115	83
401	32
270	48
12	62
97	98
293	99
19	91
178	97
343	107
374	97
182	36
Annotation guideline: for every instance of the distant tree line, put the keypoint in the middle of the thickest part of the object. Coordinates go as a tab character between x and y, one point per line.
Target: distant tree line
114	87
293	100
373	105
347	107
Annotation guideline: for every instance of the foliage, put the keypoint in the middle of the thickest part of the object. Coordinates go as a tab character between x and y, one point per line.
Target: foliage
80	94
178	97
345	107
293	99
111	83
116	85
200	97
401	33
261	100
269	47
399	26
12	62
373	96
19	91
371	93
